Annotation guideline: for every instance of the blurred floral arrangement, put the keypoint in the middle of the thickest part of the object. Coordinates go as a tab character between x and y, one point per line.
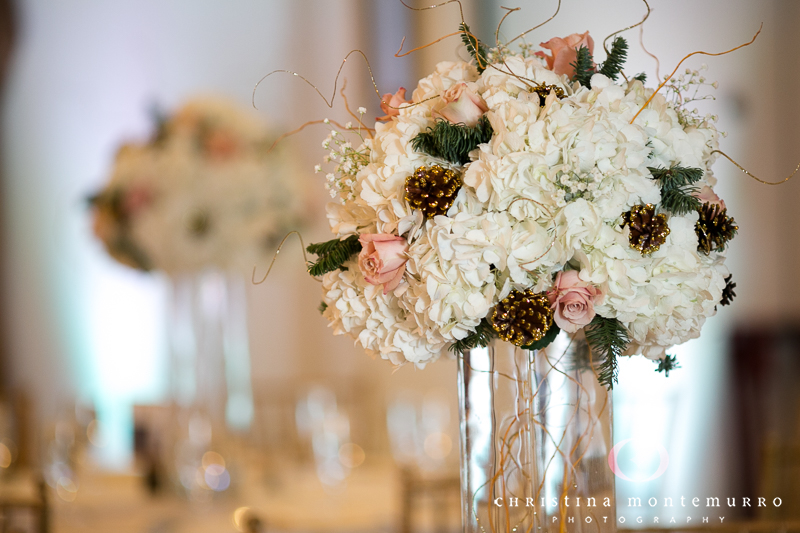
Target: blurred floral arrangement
204	191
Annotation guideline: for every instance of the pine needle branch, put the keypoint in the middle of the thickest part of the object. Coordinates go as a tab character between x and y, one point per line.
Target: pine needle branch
616	59
668	364
584	67
482	335
474	47
677	190
642	77
453	142
608	339
332	254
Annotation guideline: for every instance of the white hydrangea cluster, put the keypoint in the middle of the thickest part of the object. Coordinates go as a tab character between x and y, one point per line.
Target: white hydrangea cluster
546	193
203	192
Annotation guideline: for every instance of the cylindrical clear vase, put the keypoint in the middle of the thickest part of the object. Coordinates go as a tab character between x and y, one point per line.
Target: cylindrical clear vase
497	461
572	433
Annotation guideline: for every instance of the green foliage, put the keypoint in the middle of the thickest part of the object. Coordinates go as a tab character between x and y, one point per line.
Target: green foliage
584	67
453	142
545	341
677	187
666	365
616	59
322	307
642	77
332	254
607	338
483	333
474	47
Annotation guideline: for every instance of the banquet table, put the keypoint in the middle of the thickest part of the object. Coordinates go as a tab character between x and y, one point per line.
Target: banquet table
287	501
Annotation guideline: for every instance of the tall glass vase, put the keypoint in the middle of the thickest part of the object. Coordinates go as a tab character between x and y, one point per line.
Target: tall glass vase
497	460
572	419
209	378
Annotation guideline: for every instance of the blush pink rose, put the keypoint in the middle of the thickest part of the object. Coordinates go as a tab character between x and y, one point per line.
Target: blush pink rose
565	51
707	195
462	105
390	103
382	259
572	301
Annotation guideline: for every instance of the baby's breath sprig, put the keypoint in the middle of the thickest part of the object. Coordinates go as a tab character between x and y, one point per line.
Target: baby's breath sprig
348	160
684	89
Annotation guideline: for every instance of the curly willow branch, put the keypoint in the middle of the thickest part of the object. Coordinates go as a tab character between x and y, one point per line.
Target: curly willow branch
646	16
274	257
523	34
646	51
726	156
667	78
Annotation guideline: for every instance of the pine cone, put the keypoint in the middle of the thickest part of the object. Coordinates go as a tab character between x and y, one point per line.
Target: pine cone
432	190
544	90
648	231
727	293
522	318
714	228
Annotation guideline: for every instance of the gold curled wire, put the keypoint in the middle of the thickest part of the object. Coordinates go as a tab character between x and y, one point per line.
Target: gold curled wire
646	16
523	34
726	156
329	103
274	257
301	128
434	6
667	78
509	10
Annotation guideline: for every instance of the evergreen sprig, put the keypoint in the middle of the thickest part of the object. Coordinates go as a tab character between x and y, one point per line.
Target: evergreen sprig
332	254
474	47
322	307
616	59
453	142
483	333
667	364
607	338
584	67
642	77
677	188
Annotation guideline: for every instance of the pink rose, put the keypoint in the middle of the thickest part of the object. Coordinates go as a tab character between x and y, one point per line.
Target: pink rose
382	259
565	51
572	301
706	195
463	105
390	102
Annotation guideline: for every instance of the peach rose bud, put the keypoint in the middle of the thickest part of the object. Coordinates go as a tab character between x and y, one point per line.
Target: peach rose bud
572	301
391	102
706	195
565	51
382	259
462	105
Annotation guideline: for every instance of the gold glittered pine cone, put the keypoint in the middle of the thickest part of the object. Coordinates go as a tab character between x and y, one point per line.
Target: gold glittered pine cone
714	228
522	318
432	189
544	90
648	231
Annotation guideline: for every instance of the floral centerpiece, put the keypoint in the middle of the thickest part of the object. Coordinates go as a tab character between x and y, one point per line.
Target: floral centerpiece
202	192
522	194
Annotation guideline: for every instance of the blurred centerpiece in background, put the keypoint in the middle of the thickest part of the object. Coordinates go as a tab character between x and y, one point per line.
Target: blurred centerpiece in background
203	200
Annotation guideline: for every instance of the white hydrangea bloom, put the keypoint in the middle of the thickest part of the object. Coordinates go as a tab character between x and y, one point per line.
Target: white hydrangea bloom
547	192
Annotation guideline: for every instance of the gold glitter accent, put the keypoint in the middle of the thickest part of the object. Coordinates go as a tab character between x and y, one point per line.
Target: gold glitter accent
432	190
522	318
714	228
648	231
544	90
